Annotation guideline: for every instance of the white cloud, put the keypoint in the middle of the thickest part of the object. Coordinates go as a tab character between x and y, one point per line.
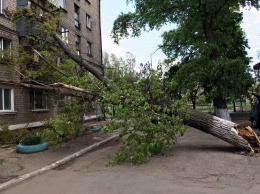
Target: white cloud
245	25
249	36
110	47
251	21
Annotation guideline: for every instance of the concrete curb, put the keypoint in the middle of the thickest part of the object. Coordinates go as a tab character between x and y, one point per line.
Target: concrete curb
56	164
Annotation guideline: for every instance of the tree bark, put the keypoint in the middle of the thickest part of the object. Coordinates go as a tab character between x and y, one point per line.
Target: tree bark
234	106
242	138
91	67
220	108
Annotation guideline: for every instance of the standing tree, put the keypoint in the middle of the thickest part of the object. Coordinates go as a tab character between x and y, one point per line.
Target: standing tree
117	67
207	39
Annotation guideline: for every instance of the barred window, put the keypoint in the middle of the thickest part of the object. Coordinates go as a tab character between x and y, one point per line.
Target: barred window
38	99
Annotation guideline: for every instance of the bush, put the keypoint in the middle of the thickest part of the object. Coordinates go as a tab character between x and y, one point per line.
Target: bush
60	126
31	139
11	137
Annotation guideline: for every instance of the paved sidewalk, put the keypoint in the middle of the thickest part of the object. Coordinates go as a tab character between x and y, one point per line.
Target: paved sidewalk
13	164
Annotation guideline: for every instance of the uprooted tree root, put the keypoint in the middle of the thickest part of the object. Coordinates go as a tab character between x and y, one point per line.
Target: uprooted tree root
249	135
244	139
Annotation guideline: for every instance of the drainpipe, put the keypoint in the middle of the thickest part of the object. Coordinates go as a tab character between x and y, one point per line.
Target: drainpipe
101	57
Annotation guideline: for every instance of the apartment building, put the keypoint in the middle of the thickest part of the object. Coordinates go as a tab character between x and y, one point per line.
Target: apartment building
26	105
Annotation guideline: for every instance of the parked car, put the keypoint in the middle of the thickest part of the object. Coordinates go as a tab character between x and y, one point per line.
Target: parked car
254	115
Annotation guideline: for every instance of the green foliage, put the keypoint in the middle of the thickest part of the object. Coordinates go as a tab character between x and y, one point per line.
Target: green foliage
148	119
11	136
67	122
116	68
31	139
206	38
58	127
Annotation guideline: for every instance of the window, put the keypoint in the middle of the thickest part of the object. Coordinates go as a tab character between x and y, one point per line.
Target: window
63	4
58	60
6	99
4	44
76	16
38	99
58	3
64	34
77	44
89	48
88	20
2	6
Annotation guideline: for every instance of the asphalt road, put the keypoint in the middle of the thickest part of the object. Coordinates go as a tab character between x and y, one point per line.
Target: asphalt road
200	163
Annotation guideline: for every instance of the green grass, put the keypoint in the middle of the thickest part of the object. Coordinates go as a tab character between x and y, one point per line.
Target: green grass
209	108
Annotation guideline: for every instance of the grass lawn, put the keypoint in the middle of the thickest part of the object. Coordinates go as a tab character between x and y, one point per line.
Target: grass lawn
209	108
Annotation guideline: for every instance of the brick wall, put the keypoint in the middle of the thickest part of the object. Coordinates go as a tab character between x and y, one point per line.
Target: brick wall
7	31
92	35
22	111
11	80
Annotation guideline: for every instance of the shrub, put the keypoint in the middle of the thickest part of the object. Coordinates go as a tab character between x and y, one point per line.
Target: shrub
31	139
59	126
11	137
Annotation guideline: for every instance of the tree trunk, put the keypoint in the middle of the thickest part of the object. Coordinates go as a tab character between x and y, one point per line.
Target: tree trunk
242	138
234	106
220	109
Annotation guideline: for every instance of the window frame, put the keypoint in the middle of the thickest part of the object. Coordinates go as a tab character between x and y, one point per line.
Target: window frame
44	105
2	6
64	34
2	110
89	48
77	44
2	43
62	4
76	16
88	21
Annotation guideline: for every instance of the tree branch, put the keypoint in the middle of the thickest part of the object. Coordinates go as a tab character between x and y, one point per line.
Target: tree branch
91	67
49	63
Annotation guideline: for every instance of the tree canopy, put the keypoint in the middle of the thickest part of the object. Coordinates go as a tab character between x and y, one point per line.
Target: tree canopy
208	41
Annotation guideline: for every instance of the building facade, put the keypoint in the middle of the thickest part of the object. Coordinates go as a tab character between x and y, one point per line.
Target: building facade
23	105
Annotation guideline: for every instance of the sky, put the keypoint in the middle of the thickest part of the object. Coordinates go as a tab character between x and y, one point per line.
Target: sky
144	48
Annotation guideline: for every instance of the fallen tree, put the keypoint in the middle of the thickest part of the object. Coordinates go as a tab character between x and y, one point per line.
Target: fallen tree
141	104
243	138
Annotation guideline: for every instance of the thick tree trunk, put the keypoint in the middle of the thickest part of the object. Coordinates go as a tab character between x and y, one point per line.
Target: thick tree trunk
242	138
220	109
